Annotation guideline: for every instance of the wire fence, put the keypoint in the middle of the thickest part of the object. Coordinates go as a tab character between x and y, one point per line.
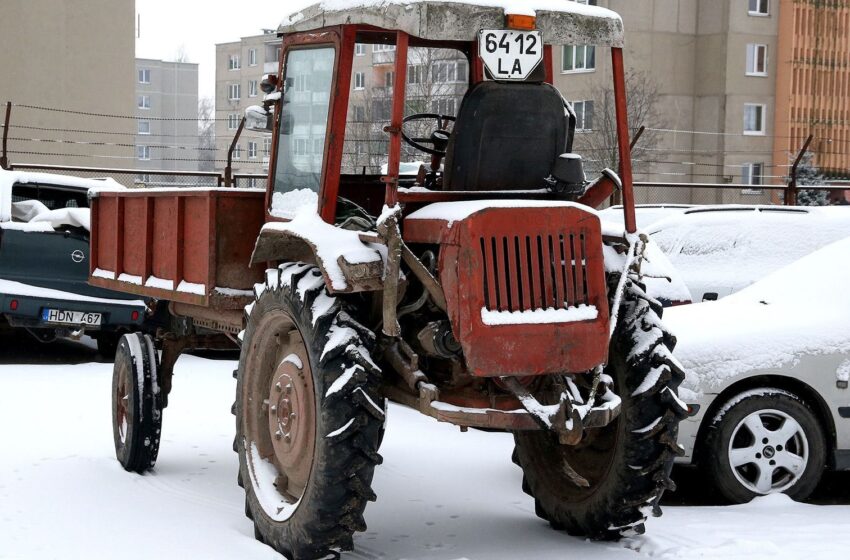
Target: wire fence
174	152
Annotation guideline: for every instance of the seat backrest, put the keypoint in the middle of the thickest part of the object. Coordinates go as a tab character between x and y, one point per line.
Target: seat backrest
507	137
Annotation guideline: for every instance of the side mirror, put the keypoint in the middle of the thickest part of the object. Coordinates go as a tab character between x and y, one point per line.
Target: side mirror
258	119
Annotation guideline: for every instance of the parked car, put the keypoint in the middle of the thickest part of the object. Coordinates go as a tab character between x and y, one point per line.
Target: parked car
44	250
719	250
768	370
646	214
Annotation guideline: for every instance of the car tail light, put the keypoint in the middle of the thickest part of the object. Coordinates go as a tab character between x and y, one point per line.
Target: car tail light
134	316
13	305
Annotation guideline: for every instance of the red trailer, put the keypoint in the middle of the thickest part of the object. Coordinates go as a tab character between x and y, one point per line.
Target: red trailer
484	293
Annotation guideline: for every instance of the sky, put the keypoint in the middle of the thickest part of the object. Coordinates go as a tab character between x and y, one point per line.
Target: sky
197	26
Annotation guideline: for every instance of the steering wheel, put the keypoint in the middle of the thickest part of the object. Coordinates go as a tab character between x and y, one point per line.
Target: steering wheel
439	139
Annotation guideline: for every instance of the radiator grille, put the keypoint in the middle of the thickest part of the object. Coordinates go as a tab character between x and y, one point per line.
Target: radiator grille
530	272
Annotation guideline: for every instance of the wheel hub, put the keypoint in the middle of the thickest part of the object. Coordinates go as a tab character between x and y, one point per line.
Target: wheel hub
769	452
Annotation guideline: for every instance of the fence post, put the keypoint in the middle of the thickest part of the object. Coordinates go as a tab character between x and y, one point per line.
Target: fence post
228	171
792	191
4	158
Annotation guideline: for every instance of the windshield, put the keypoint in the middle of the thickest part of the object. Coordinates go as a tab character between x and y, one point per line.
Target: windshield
302	130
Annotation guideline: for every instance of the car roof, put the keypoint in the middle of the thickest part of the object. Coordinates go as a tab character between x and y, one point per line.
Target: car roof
561	22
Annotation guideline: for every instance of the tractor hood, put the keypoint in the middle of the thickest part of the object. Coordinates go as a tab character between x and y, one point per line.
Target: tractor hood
561	22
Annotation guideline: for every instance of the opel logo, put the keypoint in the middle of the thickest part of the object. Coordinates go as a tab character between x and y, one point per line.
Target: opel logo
78	256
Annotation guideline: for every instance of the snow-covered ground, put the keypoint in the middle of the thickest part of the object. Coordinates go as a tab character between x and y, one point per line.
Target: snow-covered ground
441	494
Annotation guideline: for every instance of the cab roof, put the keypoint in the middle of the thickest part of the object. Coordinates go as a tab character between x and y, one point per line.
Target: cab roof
561	22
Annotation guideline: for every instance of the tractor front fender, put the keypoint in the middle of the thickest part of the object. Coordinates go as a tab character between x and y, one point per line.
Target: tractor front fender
341	276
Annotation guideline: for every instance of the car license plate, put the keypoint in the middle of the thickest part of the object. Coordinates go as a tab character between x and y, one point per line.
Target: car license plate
61	317
510	55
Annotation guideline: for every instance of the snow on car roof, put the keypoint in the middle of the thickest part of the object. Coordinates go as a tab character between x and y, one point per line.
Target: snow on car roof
10	178
560	21
718	249
801	309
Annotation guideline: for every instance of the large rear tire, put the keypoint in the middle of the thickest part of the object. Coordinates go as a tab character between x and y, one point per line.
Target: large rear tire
136	403
627	463
308	416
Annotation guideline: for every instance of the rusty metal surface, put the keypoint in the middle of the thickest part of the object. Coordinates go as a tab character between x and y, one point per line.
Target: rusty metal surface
505	260
202	237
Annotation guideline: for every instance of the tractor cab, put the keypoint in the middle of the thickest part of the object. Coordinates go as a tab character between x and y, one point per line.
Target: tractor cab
465	89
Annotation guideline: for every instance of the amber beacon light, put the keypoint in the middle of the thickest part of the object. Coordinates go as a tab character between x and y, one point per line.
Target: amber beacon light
521	23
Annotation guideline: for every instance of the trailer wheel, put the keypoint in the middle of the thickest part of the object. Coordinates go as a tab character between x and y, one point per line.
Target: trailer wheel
136	403
309	413
627	463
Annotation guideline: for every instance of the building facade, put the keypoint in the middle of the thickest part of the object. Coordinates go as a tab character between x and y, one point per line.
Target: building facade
77	56
166	120
728	90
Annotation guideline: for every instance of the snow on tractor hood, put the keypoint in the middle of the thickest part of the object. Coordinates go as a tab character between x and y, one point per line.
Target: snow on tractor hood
560	21
801	309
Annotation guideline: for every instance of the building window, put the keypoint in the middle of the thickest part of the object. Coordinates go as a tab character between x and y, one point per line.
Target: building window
267	147
252	88
584	115
233	121
752	174
237	151
359	49
233	62
759	8
415	74
144	127
358	113
234	92
581	58
143	178
359	80
756	60
143	153
383	48
452	71
252	57
389	79
144	102
252	150
145	76
444	106
754	119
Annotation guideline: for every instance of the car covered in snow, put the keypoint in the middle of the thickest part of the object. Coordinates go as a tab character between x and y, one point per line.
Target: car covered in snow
767	374
719	250
645	214
44	264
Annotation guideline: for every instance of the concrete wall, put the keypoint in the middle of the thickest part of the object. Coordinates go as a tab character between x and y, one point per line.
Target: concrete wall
74	54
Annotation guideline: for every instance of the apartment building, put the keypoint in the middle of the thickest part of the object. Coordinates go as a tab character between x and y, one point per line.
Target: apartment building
166	119
727	89
75	55
240	67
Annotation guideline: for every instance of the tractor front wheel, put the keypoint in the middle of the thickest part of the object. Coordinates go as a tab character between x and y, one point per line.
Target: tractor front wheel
626	464
308	416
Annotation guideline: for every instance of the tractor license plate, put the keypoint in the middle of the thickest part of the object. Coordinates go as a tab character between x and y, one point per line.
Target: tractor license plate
60	317
510	55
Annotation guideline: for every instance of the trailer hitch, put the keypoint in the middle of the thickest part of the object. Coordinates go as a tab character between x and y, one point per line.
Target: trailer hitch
571	416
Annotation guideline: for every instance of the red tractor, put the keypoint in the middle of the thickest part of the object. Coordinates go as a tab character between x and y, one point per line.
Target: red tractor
484	292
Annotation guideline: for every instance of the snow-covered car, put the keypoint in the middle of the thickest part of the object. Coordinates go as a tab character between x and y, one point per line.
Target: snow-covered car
645	214
768	370
44	250
719	250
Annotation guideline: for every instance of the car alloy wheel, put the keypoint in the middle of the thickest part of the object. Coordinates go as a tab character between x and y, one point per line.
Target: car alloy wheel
768	451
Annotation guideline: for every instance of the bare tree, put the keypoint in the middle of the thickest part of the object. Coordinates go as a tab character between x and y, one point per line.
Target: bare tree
182	54
206	134
599	145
